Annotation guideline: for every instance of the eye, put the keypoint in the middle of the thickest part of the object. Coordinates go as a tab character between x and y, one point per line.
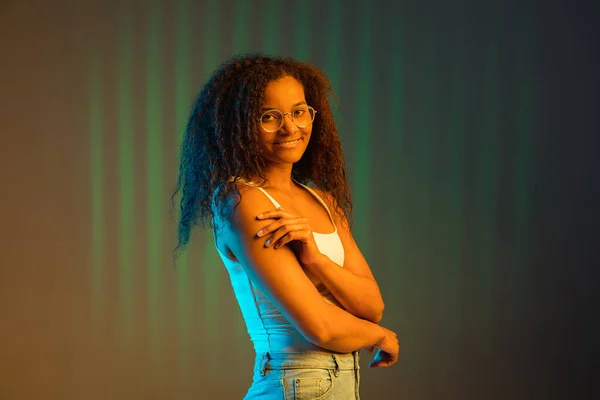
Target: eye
299	112
271	117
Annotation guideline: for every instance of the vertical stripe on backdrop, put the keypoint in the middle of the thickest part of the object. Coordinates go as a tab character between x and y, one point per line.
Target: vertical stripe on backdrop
333	56
241	26
302	29
271	25
455	230
126	172
524	163
424	227
182	106
396	226
98	258
487	173
362	134
154	172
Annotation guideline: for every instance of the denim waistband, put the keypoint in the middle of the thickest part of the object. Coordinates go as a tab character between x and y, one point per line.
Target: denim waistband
307	359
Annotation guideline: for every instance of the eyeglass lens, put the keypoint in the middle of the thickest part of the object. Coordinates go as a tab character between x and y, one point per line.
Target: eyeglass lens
272	120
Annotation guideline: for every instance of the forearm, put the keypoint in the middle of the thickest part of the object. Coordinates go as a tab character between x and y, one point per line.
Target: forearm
359	295
344	333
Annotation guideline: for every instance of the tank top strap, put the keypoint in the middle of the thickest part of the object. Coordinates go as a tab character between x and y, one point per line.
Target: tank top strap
250	183
314	193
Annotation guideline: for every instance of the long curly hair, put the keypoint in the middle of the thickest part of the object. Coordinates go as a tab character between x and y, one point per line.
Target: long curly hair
221	140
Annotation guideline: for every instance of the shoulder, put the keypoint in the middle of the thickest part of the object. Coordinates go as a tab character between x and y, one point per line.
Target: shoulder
237	219
243	204
233	211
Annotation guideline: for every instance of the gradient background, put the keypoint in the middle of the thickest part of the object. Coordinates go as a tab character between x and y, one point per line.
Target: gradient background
471	135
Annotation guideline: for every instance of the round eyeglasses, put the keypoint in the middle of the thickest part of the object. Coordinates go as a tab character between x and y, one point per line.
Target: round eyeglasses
302	116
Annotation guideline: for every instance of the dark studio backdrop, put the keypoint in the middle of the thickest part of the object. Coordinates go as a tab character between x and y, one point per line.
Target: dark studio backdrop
470	130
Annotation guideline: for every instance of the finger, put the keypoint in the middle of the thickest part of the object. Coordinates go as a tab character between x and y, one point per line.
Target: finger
302	235
381	364
383	358
279	213
285	229
279	233
285	239
289	234
376	364
272	227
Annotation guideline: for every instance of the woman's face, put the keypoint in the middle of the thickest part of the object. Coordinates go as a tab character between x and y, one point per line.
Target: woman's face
287	144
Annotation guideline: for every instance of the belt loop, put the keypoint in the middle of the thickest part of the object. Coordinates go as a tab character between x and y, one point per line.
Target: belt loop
336	371
263	363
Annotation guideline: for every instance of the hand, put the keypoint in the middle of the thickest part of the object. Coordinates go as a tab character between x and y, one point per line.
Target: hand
291	229
387	350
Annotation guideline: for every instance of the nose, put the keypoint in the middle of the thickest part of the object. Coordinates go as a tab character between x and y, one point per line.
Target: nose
288	125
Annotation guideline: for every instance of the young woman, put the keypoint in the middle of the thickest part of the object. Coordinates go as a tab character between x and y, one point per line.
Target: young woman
262	165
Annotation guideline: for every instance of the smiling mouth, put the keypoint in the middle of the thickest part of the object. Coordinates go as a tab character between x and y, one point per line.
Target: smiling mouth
289	141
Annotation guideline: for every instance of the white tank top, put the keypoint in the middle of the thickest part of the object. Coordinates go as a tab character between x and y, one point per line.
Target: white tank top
267	326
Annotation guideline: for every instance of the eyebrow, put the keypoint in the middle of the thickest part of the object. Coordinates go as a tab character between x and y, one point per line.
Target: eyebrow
273	108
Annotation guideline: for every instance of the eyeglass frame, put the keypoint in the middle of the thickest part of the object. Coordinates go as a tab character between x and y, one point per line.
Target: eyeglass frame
283	117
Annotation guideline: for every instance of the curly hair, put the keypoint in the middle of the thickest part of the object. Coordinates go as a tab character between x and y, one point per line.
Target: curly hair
221	140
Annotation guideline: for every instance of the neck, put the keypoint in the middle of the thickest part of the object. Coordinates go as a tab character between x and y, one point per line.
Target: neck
279	178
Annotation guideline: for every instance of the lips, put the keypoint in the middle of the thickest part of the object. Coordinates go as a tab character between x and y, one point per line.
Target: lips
288	141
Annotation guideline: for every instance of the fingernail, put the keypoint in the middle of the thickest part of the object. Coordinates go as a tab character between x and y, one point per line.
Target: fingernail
259	233
267	242
259	216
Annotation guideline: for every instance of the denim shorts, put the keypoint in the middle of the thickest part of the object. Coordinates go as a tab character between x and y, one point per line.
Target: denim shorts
310	375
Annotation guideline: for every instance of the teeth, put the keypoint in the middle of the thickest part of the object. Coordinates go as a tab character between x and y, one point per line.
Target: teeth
291	141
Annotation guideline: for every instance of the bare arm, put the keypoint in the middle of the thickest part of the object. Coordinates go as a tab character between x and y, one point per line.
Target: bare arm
354	286
358	294
280	277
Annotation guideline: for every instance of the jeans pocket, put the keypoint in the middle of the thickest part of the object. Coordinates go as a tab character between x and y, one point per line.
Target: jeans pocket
304	384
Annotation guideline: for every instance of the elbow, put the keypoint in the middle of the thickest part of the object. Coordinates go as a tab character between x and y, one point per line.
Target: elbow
378	314
319	333
320	337
376	318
